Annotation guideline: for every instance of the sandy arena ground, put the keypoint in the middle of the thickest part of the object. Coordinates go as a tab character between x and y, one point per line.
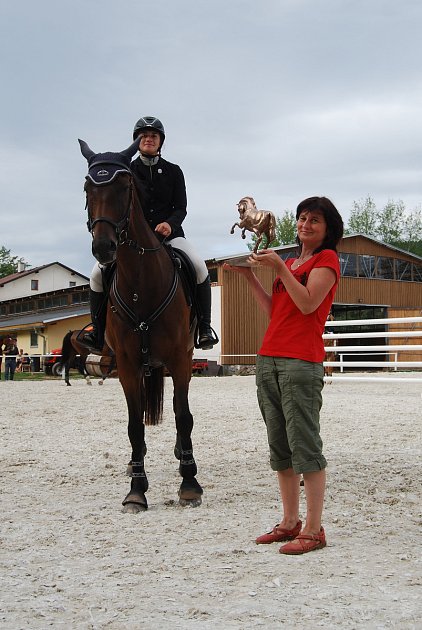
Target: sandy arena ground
71	559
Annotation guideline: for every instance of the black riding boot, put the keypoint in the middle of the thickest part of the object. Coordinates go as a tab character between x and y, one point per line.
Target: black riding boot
207	337
98	305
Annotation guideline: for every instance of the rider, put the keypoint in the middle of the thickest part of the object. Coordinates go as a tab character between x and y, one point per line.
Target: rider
161	188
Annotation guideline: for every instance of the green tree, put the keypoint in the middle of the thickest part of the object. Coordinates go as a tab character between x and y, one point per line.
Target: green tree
390	222
412	233
363	218
391	225
285	231
8	263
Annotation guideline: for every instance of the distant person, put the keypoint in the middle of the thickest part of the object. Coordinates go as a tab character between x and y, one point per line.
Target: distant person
10	352
289	368
162	192
19	361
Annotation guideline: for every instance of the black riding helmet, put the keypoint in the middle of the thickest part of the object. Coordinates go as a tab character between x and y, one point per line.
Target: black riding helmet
149	122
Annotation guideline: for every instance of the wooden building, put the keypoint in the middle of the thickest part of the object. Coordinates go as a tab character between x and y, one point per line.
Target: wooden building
377	281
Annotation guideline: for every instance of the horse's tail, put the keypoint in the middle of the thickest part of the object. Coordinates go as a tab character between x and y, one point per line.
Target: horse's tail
153	387
67	349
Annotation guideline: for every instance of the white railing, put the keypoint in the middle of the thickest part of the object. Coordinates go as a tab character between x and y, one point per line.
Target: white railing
393	349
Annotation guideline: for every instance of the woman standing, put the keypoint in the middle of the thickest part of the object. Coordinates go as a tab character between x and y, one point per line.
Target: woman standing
161	188
289	369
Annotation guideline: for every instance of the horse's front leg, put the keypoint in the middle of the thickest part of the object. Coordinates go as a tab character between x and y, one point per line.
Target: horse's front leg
233	226
190	491
135	501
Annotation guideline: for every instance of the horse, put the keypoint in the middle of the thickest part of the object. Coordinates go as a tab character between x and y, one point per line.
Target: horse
149	325
74	354
259	222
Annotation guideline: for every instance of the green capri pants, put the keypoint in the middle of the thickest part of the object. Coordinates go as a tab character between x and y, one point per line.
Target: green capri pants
290	399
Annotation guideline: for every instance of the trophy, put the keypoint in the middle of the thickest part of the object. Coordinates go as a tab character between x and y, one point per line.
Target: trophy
259	222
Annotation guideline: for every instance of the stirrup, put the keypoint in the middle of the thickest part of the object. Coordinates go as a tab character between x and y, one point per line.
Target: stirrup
207	339
91	340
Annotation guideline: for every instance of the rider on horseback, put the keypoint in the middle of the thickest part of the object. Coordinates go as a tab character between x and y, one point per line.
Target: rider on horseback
161	189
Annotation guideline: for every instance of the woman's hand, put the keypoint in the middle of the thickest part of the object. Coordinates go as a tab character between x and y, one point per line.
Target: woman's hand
243	271
267	258
164	229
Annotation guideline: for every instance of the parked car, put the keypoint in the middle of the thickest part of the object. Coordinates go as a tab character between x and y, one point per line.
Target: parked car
199	366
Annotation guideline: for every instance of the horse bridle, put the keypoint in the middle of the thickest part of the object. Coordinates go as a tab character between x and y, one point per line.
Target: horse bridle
120	227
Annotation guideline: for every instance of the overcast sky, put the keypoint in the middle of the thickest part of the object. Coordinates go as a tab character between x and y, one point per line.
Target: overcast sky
275	99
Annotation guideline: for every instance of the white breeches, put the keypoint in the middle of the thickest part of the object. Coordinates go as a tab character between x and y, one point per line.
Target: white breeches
96	279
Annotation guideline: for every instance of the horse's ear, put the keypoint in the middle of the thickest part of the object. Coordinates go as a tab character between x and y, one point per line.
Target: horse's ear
130	151
85	150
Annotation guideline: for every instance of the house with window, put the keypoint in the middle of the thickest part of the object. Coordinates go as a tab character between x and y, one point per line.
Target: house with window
30	282
38	306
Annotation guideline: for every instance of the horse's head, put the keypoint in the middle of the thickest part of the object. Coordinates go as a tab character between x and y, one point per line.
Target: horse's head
108	188
244	204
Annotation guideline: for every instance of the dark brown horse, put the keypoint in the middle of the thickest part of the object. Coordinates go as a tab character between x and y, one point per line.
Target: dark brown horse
148	317
74	354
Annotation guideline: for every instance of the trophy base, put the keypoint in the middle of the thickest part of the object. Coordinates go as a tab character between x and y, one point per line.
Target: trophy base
240	262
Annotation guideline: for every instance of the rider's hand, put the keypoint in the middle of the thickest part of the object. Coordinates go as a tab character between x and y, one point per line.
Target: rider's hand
164	229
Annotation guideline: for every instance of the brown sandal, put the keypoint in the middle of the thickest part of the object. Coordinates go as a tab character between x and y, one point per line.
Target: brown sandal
307	542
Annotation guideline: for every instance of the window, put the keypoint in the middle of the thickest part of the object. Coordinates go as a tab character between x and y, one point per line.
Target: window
72	284
417	273
403	270
80	297
34	340
34	285
348	264
385	268
286	255
366	266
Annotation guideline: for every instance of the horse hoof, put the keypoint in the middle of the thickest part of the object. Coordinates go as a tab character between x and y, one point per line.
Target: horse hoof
134	508
134	502
193	503
190	493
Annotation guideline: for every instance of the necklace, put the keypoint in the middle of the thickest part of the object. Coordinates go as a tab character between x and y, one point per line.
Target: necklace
298	262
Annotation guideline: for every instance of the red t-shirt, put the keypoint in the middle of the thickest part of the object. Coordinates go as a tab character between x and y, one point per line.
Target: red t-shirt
291	333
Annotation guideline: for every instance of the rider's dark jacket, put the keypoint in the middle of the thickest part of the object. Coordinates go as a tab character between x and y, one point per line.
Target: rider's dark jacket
162	193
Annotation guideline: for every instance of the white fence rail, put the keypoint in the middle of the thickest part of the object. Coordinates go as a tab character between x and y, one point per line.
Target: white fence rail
371	349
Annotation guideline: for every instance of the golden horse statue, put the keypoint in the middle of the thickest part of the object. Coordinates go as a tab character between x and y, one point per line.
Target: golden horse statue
259	222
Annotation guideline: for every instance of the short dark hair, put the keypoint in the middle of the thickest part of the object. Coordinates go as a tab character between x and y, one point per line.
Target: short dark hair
332	218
